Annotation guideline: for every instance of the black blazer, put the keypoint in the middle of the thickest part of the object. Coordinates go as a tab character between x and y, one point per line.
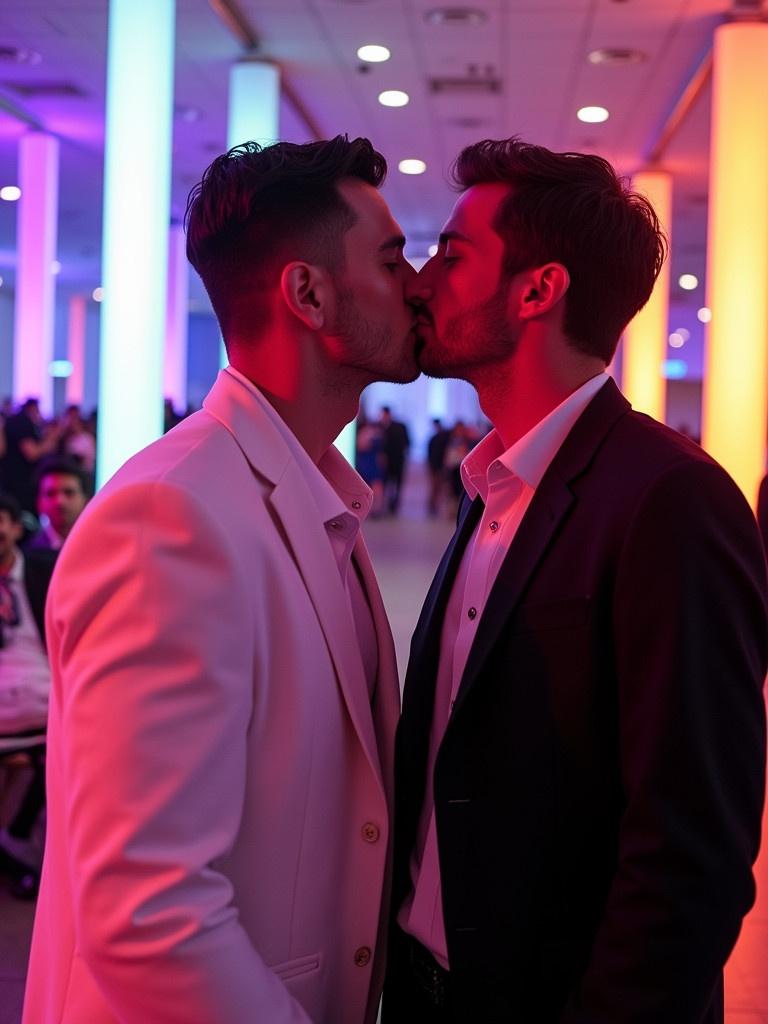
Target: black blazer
38	568
598	790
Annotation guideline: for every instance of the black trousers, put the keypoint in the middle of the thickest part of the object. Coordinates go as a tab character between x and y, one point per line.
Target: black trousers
405	1001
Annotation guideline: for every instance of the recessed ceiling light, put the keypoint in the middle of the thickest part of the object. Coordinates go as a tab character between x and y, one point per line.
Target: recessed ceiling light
393	98
10	193
676	340
704	314
411	166
97	294
432	250
592	115
688	282
372	53
616	55
455	16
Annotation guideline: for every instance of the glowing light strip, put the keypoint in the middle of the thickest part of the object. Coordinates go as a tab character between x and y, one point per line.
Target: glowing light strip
137	184
176	320
76	349
736	355
35	283
645	339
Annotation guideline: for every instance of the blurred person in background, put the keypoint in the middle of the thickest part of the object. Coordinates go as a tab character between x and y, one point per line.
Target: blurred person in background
27	440
77	440
396	443
369	460
436	450
63	488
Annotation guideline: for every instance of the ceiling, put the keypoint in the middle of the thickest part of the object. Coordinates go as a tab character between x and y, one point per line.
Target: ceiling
534	54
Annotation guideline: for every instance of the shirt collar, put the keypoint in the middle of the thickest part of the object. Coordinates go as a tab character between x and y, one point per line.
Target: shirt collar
335	486
528	458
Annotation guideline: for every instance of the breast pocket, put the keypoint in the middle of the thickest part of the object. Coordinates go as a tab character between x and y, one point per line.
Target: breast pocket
297	967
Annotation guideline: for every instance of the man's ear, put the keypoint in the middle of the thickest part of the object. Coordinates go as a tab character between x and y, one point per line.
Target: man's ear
306	290
542	288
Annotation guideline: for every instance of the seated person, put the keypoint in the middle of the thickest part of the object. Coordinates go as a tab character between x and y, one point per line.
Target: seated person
62	493
24	682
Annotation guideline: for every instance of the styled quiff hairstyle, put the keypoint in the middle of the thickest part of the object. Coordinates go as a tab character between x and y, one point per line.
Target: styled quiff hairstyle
257	208
572	208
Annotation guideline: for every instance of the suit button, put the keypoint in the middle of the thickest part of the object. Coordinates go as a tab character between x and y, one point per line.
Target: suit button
472	613
371	832
494	526
362	956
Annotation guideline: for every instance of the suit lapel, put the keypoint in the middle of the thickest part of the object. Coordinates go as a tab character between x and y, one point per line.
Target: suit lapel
314	558
546	513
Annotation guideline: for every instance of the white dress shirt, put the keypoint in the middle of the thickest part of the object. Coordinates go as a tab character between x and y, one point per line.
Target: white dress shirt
506	481
343	501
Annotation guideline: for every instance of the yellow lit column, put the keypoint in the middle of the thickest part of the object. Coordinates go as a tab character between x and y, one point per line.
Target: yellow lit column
645	339
736	363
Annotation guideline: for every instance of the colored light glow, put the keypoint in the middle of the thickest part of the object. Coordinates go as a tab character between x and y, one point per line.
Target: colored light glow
704	314
646	337
254	103
676	340
76	328
175	358
98	294
56	267
137	185
35	287
10	193
393	98
60	368
1	282
432	250
372	53
735	382
674	369
688	282
592	115
411	166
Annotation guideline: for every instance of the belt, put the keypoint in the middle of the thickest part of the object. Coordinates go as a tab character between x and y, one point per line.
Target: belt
426	973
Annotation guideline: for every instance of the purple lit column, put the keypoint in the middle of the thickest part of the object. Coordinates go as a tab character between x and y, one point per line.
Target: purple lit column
175	362
35	283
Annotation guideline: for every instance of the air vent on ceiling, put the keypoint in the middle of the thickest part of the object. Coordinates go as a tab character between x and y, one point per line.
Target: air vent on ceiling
46	90
473	85
461	16
465	121
616	55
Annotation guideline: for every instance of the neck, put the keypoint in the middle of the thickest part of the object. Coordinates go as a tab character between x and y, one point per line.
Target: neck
313	399
535	380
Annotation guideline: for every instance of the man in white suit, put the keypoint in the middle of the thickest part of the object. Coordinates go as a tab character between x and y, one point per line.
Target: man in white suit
224	685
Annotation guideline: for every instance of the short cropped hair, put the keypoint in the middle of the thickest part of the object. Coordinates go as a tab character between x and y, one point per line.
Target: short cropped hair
11	506
572	208
58	465
257	208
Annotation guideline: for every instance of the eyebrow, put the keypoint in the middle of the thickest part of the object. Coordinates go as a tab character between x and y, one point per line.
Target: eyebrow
395	242
455	236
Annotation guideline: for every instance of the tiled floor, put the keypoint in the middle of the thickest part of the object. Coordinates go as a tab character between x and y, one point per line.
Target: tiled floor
406	552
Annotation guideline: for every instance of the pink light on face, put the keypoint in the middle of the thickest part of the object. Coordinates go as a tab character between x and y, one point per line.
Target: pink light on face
36	251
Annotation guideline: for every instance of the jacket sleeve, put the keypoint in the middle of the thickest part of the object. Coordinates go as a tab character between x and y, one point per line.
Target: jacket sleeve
690	633
155	673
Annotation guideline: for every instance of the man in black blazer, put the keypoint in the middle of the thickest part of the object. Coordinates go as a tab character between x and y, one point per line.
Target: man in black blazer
580	760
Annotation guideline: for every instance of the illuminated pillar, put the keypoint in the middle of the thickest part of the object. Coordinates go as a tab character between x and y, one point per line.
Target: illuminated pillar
437	399
137	185
176	320
254	114
645	339
736	356
35	281
76	349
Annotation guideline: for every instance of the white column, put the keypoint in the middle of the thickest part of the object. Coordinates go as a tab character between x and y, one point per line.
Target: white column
176	320
76	349
137	185
35	281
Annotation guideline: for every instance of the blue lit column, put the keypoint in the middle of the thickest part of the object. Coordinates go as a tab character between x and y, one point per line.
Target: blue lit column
137	186
36	250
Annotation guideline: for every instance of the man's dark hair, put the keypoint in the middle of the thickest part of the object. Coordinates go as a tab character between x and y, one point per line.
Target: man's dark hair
257	208
10	505
30	403
572	208
57	465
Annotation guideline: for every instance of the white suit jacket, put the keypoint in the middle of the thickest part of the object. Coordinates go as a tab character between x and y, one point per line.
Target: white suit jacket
219	790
